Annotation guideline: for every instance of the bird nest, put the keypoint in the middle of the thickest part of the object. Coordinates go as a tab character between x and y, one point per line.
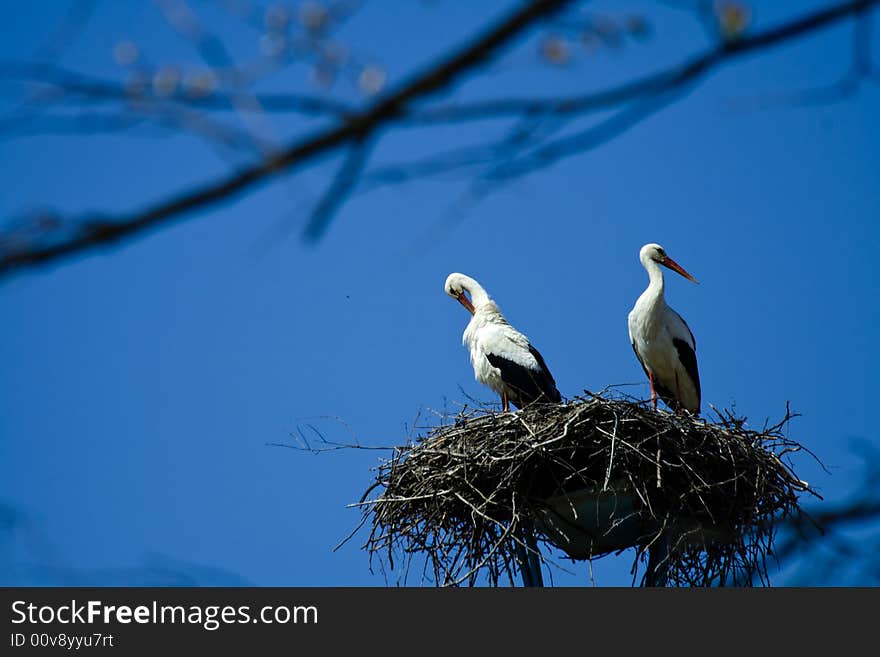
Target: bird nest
481	496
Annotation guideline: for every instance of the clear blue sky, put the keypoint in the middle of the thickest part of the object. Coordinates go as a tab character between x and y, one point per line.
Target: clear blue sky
141	385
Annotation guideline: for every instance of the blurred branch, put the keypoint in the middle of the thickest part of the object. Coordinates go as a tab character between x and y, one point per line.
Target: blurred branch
861	70
830	544
653	92
827	541
172	120
580	142
213	52
339	190
354	128
655	83
68	124
101	230
68	85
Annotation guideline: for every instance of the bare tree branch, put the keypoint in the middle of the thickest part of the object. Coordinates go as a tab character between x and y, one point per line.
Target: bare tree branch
92	231
861	70
649	85
102	230
658	90
66	85
338	191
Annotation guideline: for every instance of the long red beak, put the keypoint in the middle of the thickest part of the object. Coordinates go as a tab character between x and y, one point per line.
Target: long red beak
674	266
464	301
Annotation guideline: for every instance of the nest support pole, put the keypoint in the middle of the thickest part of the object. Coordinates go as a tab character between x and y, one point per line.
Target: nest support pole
656	572
528	556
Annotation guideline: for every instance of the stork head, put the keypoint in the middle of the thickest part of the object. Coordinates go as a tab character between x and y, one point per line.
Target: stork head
459	286
656	253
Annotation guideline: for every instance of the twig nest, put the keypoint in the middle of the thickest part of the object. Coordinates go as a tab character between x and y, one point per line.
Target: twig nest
593	476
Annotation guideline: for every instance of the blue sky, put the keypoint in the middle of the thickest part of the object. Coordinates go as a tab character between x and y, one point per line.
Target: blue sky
141	385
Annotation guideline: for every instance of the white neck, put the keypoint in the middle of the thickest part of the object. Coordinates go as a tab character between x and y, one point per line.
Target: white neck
479	296
655	274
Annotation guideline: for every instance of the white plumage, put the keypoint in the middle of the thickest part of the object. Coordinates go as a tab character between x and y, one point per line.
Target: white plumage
662	340
502	357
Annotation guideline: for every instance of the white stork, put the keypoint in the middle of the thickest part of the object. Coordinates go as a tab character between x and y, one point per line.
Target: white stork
662	340
503	358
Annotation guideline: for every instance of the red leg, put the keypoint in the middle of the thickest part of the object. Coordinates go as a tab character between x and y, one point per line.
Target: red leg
505	406
653	392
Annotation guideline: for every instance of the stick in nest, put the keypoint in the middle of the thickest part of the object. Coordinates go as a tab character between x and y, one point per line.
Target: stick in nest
594	476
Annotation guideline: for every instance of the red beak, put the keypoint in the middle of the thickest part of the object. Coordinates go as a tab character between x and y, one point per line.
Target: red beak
464	301
674	266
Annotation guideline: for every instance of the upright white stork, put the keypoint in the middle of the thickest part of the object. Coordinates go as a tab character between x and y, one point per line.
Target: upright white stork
662	340
503	358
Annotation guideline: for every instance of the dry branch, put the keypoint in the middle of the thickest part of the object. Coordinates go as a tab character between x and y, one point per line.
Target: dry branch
103	230
350	129
594	476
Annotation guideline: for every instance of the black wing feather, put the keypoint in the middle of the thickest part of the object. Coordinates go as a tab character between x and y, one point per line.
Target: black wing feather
549	387
689	360
528	385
